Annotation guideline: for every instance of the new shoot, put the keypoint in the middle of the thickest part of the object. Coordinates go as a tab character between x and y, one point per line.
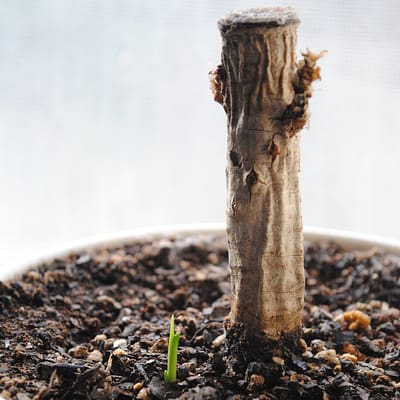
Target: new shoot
170	373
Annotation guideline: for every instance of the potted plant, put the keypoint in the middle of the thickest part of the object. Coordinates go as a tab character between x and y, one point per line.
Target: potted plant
91	321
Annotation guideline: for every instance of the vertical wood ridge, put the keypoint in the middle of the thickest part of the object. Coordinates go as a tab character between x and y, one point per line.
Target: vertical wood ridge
263	202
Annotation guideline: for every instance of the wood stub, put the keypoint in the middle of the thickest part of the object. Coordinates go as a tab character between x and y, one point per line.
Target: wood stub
264	227
263	17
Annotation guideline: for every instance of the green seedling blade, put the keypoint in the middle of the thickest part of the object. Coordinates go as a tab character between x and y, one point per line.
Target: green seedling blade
170	373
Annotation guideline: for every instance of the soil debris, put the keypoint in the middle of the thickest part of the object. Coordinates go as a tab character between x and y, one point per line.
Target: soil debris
94	325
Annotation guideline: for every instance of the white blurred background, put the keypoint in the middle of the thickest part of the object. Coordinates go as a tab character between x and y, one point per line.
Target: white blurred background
107	121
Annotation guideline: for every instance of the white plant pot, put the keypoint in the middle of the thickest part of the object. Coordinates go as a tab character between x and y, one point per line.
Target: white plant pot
348	240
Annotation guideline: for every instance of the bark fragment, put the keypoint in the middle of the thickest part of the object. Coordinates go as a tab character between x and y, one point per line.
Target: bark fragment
296	115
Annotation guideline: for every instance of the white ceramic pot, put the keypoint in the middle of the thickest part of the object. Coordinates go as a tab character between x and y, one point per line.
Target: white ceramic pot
348	240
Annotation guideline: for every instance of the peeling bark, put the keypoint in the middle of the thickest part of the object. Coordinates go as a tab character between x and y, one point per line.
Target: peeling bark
265	97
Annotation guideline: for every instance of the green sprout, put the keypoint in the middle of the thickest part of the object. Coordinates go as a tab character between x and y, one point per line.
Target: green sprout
170	373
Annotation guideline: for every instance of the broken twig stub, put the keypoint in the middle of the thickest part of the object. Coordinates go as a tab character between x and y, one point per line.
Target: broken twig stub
265	95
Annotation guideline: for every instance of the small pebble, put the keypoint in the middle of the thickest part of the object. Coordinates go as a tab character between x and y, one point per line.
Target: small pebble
6	394
33	276
317	345
109	300
278	360
351	349
256	382
303	343
143	394
52	276
337	368
22	396
19	352
98	339
160	346
202	393
349	357
120	343
138	386
190	366
213	258
79	351
388	328
108	344
119	352
95	356
329	356
308	354
218	341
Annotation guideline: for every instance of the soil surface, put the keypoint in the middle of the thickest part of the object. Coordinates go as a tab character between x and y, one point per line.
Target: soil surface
95	325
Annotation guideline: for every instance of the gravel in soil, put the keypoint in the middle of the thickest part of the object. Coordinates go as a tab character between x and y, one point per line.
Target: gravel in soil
95	325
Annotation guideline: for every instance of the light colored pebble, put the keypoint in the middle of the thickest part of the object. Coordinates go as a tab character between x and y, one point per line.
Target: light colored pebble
308	354
108	344
119	352
329	356
22	396
143	394
98	339
6	394
33	276
303	343
351	349
160	346
138	386
348	357
95	356
213	258
218	341
337	368
120	343
190	366
256	381
79	351
278	360
109	300
53	276
317	345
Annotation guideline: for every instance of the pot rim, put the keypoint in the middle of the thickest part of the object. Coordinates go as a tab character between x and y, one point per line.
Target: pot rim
346	239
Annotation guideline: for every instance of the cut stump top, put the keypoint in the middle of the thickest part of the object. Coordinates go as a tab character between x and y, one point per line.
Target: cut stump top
269	17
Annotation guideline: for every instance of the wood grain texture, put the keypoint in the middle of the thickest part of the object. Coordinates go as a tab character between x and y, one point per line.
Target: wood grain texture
264	225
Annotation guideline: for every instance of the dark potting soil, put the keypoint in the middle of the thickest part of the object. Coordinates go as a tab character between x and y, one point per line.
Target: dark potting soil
95	326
